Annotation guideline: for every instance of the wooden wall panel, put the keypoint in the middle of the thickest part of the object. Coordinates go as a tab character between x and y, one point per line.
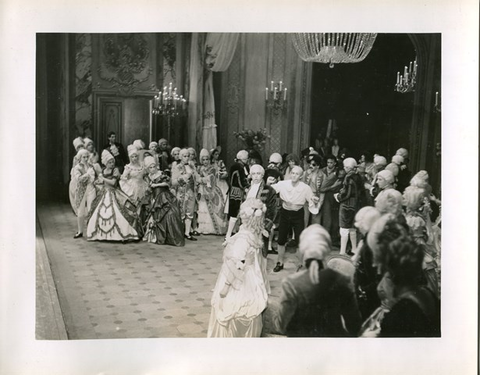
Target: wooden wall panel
260	59
256	51
137	120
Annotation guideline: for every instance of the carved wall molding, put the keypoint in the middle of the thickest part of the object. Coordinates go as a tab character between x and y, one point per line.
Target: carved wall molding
125	63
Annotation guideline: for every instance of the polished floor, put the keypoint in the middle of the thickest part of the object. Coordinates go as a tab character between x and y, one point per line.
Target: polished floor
103	290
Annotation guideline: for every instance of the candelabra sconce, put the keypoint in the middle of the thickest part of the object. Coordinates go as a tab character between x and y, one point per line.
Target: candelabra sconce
406	82
169	105
276	97
437	107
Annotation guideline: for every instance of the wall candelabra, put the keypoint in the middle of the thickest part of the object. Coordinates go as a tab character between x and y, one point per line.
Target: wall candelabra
276	96
406	82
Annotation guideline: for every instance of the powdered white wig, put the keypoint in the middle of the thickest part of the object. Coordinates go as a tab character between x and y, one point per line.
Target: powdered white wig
350	162
184	151
397	159
148	161
82	152
366	217
380	160
139	144
257	168
402	152
242	154
204	152
132	150
387	175
315	243
275	158
389	202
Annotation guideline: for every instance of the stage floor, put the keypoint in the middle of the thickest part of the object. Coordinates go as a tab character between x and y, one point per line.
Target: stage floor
134	290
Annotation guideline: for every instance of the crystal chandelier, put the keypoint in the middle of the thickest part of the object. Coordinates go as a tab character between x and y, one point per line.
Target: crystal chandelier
333	48
406	82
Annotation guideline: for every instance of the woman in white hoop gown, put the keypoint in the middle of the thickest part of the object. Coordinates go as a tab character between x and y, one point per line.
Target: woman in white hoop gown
240	295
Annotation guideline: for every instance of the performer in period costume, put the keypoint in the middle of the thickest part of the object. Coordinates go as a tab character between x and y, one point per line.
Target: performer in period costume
222	174
164	222
81	180
211	216
132	181
117	150
78	144
237	185
259	190
316	301
184	181
240	295
349	199
113	217
314	178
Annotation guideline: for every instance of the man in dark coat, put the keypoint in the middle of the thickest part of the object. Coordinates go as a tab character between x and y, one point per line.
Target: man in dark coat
117	150
258	189
237	183
316	301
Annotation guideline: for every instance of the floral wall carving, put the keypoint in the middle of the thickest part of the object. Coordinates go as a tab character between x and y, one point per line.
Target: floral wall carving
125	63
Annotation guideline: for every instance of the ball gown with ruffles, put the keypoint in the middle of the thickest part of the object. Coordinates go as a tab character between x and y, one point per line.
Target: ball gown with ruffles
163	223
133	184
239	313
211	216
112	216
222	176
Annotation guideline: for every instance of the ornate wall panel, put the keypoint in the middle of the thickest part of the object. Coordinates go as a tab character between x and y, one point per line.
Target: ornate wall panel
124	63
83	85
232	101
169	50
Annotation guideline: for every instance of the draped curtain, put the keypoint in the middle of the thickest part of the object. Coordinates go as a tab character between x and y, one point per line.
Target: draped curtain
210	53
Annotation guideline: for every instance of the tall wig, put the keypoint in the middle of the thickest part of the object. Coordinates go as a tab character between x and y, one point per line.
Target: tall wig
252	214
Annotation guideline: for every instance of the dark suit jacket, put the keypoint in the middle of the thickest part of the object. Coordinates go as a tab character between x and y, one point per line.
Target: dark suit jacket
309	310
237	182
122	158
268	196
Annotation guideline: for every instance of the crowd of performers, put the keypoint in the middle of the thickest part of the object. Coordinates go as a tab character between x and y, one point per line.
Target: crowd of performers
382	218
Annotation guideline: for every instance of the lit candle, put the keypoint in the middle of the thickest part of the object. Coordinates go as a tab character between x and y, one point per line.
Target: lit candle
281	85
275	93
436	99
285	94
398	78
266	93
271	85
410	67
405	73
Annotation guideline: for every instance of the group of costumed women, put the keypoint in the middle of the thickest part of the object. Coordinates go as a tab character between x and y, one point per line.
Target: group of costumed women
138	200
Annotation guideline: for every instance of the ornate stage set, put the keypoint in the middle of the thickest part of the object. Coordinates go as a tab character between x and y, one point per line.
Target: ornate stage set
200	89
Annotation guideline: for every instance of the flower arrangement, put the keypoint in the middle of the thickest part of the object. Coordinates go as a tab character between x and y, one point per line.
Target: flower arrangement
253	139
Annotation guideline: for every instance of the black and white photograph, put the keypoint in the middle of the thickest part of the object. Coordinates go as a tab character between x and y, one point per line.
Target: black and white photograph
284	185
